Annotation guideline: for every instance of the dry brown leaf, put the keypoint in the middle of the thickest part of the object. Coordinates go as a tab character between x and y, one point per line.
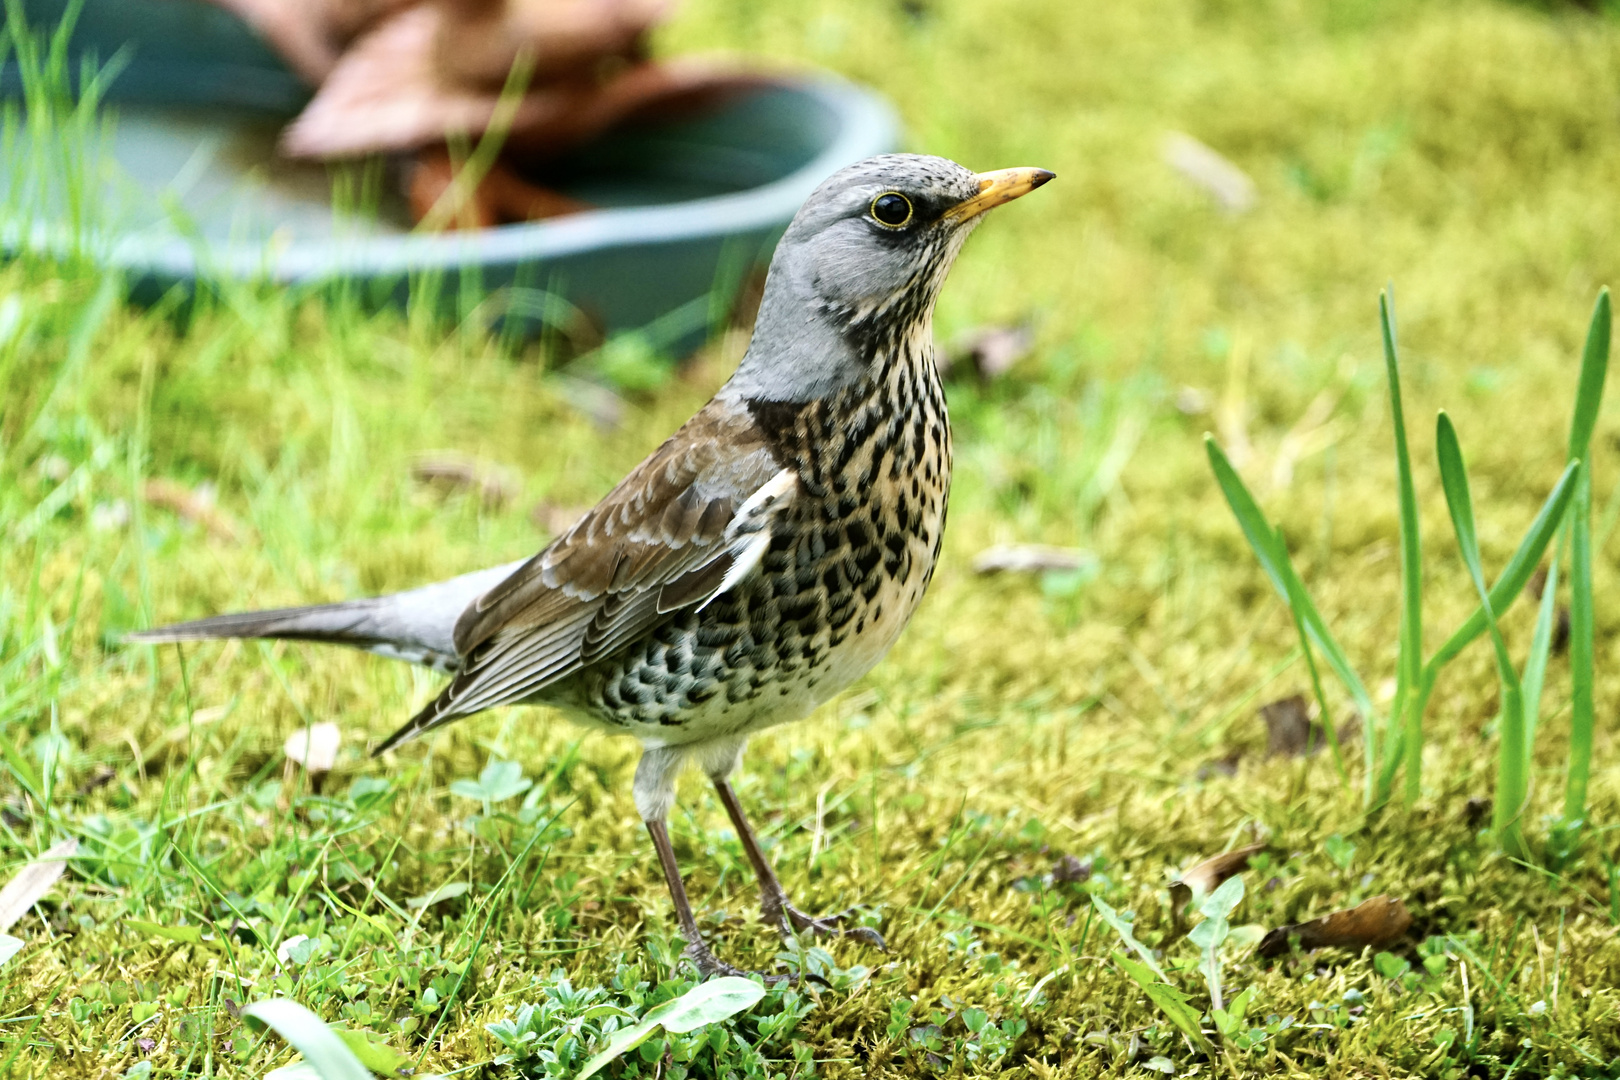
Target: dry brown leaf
1377	922
1223	181
388	93
501	197
310	34
1207	876
1029	559
450	473
1071	869
1291	732
314	747
33	881
194	505
480	40
990	351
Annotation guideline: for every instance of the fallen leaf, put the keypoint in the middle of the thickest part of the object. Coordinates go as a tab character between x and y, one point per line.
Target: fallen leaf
196	506
502	196
450	472
315	747
392	91
33	881
1030	558
1221	766
1291	732
990	351
1071	869
1223	181
309	34
480	40
1377	922
1204	878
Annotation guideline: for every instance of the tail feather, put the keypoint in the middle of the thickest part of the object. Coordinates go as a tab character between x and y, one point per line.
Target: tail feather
417	626
360	624
436	714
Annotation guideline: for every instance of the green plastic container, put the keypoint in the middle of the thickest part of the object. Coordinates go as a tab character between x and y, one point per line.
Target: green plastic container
198	194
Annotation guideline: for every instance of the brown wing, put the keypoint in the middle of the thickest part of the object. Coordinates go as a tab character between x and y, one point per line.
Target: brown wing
665	538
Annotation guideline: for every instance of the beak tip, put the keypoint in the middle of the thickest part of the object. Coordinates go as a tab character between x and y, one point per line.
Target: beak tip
1041	176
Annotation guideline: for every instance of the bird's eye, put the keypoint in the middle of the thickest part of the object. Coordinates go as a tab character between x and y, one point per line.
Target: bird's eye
892	209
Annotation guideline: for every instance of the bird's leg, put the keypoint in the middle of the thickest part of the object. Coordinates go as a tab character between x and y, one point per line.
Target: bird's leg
775	907
655	794
696	950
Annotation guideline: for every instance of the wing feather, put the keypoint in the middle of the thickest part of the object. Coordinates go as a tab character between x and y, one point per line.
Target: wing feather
669	536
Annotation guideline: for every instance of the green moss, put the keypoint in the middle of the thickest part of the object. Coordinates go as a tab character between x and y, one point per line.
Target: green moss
1466	151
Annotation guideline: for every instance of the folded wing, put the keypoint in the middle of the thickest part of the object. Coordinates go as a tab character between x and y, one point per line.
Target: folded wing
686	524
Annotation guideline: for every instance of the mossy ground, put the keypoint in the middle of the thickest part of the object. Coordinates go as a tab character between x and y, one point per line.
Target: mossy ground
1469	152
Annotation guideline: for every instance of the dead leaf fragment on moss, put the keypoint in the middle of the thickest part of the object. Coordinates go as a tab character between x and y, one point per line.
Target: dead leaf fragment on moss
194	505
315	747
33	881
1207	876
450	473
1292	732
1377	922
1030	559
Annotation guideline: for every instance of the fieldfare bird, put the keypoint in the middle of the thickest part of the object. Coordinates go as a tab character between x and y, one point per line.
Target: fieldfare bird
759	561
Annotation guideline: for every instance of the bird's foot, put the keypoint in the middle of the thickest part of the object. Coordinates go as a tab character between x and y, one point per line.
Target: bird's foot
711	966
790	920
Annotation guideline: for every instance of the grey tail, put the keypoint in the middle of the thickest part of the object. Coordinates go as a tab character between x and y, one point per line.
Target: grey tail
360	624
417	626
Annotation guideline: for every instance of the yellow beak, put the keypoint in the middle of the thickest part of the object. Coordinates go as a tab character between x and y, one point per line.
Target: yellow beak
995	188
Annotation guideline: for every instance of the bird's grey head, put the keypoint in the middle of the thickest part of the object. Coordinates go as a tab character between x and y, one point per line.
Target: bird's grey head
855	276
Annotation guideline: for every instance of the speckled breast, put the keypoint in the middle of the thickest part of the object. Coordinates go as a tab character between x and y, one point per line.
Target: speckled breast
844	572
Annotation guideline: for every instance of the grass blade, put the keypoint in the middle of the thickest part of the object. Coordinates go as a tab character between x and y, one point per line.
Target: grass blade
1262	540
1594	371
1588	398
1516	574
1410	658
1581	665
329	1055
1513	774
1535	668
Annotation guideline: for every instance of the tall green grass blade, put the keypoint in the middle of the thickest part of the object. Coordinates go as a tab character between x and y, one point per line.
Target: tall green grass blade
1594	371
1515	575
1581	666
1513	772
1535	668
1403	718
1262	541
1588	399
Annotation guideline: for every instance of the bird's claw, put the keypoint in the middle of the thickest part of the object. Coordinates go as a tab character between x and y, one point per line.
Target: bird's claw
711	966
791	920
